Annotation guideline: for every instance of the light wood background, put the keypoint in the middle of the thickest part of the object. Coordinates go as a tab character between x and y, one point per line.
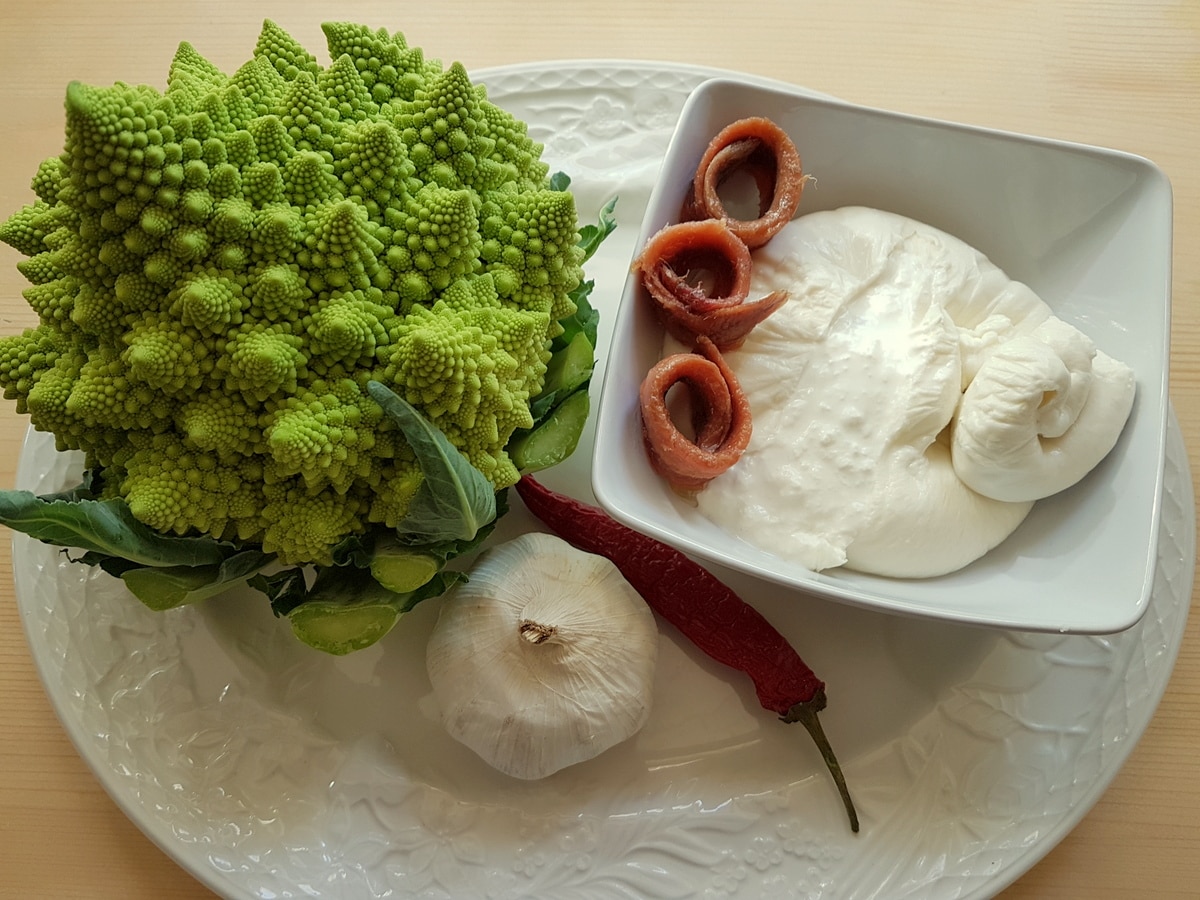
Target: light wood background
1119	74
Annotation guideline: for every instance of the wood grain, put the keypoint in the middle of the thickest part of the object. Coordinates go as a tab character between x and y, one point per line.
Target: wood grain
1119	74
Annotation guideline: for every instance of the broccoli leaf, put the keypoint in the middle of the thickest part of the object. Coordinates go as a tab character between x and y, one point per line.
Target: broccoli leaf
401	568
556	425
555	438
356	549
454	500
586	318
570	369
364	550
285	589
592	236
167	587
347	610
103	526
392	560
85	490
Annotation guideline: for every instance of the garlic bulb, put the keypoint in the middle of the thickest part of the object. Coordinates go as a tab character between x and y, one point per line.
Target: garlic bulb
544	658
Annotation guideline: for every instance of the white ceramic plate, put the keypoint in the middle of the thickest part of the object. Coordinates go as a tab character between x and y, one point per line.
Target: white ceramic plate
267	770
1088	229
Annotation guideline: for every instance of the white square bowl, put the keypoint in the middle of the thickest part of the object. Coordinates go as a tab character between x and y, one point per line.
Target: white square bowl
1088	229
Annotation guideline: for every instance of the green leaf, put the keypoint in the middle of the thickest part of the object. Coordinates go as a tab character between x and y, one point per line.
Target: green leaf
587	316
355	549
339	630
167	587
348	610
454	500
569	369
85	490
592	236
397	564
401	568
555	438
106	527
286	589
585	320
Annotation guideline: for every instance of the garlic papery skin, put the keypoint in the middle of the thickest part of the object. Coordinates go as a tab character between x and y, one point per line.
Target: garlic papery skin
544	658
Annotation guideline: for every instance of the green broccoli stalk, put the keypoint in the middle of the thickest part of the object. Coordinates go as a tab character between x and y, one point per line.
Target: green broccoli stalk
260	295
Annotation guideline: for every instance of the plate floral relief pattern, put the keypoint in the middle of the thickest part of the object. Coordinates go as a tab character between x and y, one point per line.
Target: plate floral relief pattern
270	772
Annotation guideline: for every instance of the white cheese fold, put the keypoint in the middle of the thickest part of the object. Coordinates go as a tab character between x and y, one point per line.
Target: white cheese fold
853	385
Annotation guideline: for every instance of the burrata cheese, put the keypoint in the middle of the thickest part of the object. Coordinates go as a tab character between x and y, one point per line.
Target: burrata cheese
853	385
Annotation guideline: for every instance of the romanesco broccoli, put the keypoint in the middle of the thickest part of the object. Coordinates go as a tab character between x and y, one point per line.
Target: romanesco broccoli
220	268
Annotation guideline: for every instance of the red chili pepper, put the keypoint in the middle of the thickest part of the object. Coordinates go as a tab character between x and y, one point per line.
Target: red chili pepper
703	608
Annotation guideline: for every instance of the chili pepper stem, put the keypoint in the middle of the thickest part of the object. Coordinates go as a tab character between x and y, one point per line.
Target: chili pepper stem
805	713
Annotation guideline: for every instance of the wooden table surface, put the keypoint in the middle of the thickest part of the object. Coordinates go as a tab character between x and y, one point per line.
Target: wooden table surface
1119	74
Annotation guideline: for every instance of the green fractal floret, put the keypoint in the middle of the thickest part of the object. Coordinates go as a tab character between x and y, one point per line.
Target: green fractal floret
434	240
531	248
440	126
514	150
219	269
373	165
387	66
263	361
473	369
27	228
283	52
302	526
392	491
24	359
349	331
325	434
222	423
167	355
177	490
209	301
